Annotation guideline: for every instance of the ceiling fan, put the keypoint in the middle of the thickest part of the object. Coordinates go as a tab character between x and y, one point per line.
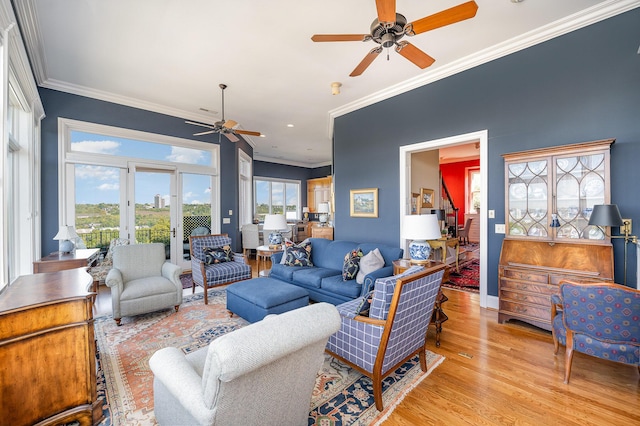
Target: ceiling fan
224	127
389	27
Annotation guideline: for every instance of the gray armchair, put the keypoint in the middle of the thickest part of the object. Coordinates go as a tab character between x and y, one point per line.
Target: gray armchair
260	374
141	281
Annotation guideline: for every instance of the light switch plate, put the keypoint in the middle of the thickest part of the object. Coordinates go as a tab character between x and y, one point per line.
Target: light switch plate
500	229
226	220
492	214
230	212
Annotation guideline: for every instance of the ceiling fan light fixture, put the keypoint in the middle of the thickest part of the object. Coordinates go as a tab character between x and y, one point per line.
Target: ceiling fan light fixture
335	88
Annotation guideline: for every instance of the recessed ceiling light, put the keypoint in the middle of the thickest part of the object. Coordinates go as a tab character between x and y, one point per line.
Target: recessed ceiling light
263	135
289	125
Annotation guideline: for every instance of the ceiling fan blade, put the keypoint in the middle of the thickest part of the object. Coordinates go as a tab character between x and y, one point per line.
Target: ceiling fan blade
199	124
231	137
386	12
208	132
230	124
247	132
340	37
446	17
371	56
414	54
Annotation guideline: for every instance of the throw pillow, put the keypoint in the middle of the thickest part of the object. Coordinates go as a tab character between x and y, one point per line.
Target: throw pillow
298	255
214	255
363	307
370	262
351	264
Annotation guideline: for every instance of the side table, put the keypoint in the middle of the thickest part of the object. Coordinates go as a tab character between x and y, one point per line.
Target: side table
264	252
57	261
438	316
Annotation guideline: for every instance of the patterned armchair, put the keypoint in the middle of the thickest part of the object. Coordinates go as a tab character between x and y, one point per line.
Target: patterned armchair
396	328
210	275
601	320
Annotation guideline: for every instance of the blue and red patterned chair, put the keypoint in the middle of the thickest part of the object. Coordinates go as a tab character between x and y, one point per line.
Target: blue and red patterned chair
395	329
209	274
597	319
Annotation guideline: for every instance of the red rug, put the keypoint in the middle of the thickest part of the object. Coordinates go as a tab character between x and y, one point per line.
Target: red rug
468	279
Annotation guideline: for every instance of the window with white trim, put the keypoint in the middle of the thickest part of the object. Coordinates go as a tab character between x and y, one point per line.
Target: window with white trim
277	196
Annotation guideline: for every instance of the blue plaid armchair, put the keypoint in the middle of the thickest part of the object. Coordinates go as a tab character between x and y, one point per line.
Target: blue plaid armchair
395	329
211	275
597	319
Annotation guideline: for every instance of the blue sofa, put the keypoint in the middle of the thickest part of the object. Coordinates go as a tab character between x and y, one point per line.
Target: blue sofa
323	280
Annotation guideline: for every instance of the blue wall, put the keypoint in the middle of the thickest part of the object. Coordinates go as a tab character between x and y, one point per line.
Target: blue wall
580	87
59	104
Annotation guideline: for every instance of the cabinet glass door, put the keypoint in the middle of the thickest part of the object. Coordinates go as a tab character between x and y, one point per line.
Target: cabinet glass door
580	184
528	189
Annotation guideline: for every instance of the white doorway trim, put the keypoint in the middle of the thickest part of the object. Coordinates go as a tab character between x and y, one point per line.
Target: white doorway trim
481	137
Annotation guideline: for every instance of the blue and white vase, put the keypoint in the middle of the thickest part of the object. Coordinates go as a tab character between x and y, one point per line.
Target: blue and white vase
275	238
419	251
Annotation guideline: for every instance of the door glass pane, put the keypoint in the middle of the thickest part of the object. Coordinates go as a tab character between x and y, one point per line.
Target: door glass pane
262	199
292	201
277	198
528	198
152	210
97	205
196	208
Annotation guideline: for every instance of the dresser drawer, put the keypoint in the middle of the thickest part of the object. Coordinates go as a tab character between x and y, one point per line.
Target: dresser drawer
525	297
555	279
516	285
535	312
518	274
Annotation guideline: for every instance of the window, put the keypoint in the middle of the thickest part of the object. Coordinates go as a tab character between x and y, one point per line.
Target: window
245	205
277	196
473	190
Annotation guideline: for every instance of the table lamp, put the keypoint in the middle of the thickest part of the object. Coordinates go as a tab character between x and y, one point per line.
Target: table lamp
305	210
66	236
419	229
275	223
609	215
323	210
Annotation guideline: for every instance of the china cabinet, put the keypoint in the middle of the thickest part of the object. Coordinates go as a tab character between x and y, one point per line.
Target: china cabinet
549	197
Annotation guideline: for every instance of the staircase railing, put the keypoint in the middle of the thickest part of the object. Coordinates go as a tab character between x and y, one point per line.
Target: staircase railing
450	210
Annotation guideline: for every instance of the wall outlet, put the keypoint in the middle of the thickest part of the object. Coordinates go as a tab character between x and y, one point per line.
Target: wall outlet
492	214
500	229
226	220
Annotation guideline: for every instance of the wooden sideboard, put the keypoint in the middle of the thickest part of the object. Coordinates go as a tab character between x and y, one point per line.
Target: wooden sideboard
322	232
47	351
530	271
58	261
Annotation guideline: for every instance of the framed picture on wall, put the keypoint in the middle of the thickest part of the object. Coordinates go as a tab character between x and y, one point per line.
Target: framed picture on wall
414	203
364	202
426	198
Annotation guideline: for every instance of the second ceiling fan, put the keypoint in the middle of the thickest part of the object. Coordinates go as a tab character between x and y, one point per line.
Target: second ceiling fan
390	27
224	127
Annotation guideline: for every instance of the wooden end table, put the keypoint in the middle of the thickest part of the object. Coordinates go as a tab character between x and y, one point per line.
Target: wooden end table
438	316
264	252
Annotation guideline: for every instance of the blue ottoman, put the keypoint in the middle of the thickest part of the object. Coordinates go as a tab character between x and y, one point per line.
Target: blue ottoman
258	297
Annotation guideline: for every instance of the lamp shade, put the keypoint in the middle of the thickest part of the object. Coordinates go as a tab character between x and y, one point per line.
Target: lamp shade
421	227
305	210
275	222
323	208
66	233
605	215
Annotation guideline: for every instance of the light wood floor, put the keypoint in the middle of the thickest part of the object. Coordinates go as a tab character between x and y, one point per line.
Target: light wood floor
506	374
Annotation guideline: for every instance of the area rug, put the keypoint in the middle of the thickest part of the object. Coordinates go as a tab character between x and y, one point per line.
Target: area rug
342	396
468	279
186	280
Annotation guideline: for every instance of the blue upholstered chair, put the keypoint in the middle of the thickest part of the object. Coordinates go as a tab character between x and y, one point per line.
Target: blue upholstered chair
597	319
211	275
395	329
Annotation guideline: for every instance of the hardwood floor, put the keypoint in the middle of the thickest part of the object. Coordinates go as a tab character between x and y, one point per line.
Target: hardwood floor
506	374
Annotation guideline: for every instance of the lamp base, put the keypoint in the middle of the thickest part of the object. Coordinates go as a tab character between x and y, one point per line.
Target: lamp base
419	251
275	238
66	246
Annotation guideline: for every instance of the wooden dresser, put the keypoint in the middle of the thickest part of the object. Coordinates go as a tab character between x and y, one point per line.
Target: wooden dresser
47	351
322	232
530	271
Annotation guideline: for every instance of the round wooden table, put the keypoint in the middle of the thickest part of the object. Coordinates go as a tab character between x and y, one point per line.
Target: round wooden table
263	253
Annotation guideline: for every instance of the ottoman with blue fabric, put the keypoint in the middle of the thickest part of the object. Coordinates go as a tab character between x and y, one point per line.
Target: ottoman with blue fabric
258	297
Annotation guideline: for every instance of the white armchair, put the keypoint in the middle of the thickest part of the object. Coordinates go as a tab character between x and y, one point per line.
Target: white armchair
260	374
141	281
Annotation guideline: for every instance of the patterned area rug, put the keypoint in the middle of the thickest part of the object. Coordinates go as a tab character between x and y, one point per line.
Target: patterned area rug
342	396
468	279
186	280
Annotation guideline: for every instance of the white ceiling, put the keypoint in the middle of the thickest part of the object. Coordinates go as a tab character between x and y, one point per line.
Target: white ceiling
170	55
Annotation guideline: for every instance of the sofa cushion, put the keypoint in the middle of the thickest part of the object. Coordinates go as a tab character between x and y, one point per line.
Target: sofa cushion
330	254
312	277
351	264
370	262
334	284
389	253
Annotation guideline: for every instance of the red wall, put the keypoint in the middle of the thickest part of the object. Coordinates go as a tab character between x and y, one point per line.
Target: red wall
454	177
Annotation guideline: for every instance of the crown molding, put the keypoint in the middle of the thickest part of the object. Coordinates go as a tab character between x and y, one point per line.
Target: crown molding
291	162
560	27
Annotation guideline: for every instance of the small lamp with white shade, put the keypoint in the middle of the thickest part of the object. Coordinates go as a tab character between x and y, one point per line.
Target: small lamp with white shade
323	210
275	223
66	236
419	229
305	211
